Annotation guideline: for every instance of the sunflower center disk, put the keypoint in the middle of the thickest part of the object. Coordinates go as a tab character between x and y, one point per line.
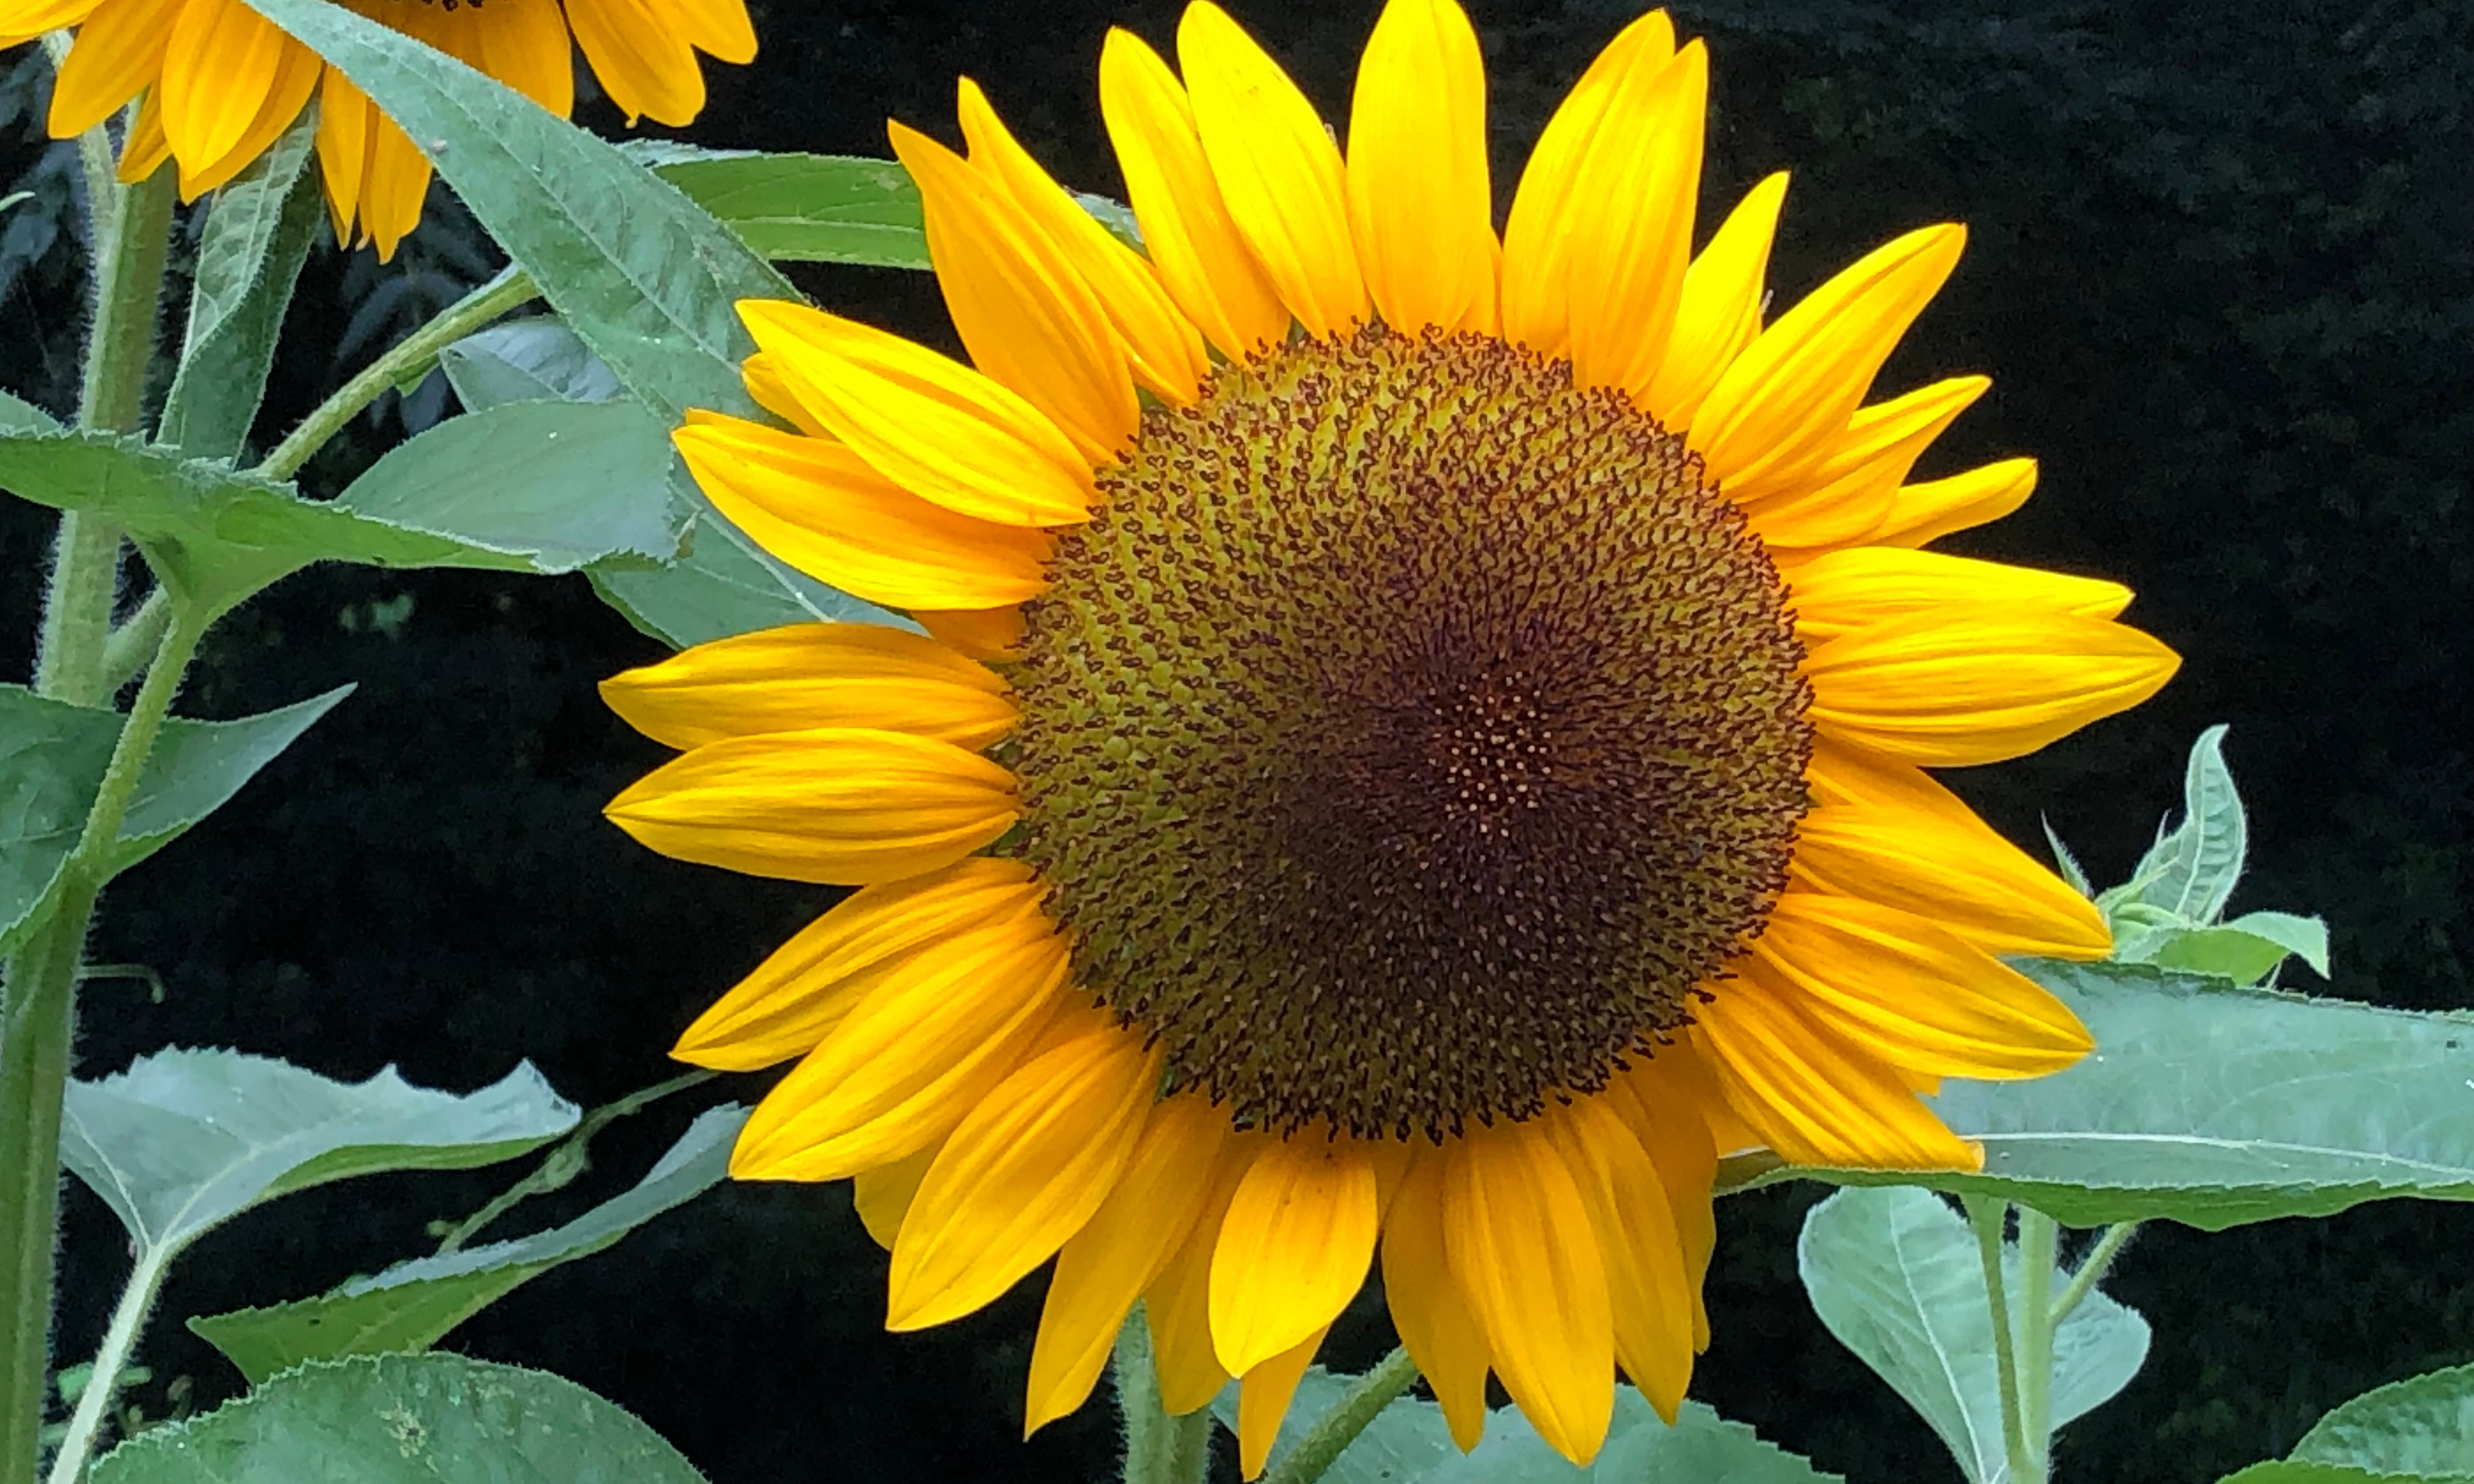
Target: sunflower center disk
1408	735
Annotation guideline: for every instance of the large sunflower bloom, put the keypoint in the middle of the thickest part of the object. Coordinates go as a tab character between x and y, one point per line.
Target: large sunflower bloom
222	82
1416	745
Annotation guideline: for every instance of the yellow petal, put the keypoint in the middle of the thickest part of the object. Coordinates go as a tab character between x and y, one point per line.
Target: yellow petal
1978	685
1202	260
1179	1301
980	633
1670	1103
1538	237
1278	169
1120	1251
645	65
117	52
1784	401
1840	774
1518	1238
1023	312
345	119
1263	1397
524	43
1420	206
1436	1327
1921	513
1813	1096
25	20
1720	311
816	504
222	61
1630	216
1163	347
1022	1172
1294	1248
814	674
1908	992
392	188
1649	1298
938	428
797	996
1838	592
912	1059
297	70
843	805
881	1197
772	392
1845	495
145	149
1955	872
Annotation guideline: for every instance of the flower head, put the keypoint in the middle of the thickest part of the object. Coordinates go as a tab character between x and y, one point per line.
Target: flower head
1417	748
221	83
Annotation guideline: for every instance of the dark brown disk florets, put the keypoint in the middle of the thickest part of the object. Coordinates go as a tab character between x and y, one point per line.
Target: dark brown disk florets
1408	735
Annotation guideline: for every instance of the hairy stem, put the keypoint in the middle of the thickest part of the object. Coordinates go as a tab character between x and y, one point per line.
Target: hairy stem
119	1341
1159	1448
510	290
2039	1240
1987	1216
1336	1429
568	1159
2092	1272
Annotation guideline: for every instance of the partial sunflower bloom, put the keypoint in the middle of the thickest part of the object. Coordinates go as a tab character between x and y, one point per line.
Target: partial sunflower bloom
221	83
1417	743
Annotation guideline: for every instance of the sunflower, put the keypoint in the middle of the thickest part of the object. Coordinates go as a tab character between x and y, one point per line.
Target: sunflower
1417	744
222	82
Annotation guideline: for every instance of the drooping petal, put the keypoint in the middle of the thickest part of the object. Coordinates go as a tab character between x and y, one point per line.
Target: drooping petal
1203	259
1518	1238
24	20
1927	512
1294	1248
1278	169
1978	685
1421	209
1263	1396
1952	870
1021	310
940	429
1908	992
394	186
911	1059
146	148
1846	494
1538	237
1434	1324
1023	1171
297	70
118	52
816	504
795	998
814	674
1720	311
1670	1103
1813	1096
1177	1302
1120	1251
880	1197
218	67
1781	404
1839	592
646	67
1649	1298
842	806
345	118
1630	216
524	43
1161	345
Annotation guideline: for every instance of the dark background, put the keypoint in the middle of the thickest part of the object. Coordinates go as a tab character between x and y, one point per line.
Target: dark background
2221	270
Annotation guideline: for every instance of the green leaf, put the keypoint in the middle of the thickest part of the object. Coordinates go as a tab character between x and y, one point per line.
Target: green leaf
2191	870
1896	1275
2214	1106
725	585
414	1305
2418	1429
646	277
404	1420
1409	1443
17	415
2245	950
258	234
526	360
52	761
2280	1472
2068	864
556	484
801	209
185	1139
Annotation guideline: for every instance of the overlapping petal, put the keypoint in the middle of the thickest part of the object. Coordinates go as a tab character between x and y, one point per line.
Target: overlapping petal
1420	206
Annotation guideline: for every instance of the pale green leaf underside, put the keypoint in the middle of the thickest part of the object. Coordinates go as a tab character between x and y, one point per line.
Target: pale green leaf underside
2422	1427
404	1420
412	1306
185	1140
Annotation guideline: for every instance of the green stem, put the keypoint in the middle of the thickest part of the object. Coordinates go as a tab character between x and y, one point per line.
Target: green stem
94	153
567	1159
510	290
38	1014
76	609
1336	1429
1987	1216
132	643
2039	1241
1159	1448
2092	1272
94	1403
